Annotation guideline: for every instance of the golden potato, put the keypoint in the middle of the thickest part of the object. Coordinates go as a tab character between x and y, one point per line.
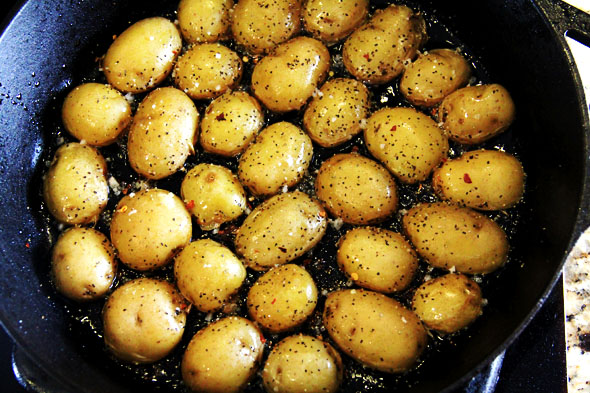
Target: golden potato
204	20
149	227
408	142
285	79
377	52
260	25
278	157
95	113
481	179
302	364
456	238
433	76
332	20
230	123
142	56
83	264
377	259
356	189
75	187
474	114
282	298
143	320
448	303
222	357
208	274
374	329
337	112
280	230
162	134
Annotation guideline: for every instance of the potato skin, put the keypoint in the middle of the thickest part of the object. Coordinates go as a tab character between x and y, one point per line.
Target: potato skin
302	363
75	187
143	320
163	133
448	303
377	259
149	227
204	20
282	298
336	114
143	55
338	187
333	20
455	237
278	157
433	76
286	78
95	113
474	114
83	264
280	230
374	329
222	357
481	179
408	142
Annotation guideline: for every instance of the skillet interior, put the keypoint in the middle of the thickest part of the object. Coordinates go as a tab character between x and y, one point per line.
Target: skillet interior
518	50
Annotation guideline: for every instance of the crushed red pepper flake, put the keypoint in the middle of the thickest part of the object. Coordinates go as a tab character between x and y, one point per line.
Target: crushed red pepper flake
220	117
262	339
273	301
190	204
394	128
466	178
366	56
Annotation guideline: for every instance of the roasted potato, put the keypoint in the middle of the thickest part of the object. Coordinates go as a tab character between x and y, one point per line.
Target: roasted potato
204	20
75	187
285	79
356	189
278	157
374	329
142	56
408	142
143	320
337	112
474	114
332	20
481	179
280	230
456	238
222	357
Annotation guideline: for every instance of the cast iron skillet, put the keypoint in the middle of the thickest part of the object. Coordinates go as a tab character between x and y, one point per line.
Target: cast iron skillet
49	41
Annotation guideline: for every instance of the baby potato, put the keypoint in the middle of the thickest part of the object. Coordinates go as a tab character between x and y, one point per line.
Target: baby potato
374	329
149	227
207	70
356	189
456	238
143	320
481	179
332	20
433	76
280	230
162	134
83	264
474	114
75	187
335	115
208	274
377	259
283	298
285	79
213	194
143	55
408	142
204	20
376	52
278	157
95	113
448	303
222	357
230	123
302	364
260	25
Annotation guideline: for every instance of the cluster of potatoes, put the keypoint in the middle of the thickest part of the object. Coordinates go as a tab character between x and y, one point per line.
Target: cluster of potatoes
174	65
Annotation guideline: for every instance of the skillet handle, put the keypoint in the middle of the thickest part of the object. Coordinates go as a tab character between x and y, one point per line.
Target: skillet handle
31	377
566	19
